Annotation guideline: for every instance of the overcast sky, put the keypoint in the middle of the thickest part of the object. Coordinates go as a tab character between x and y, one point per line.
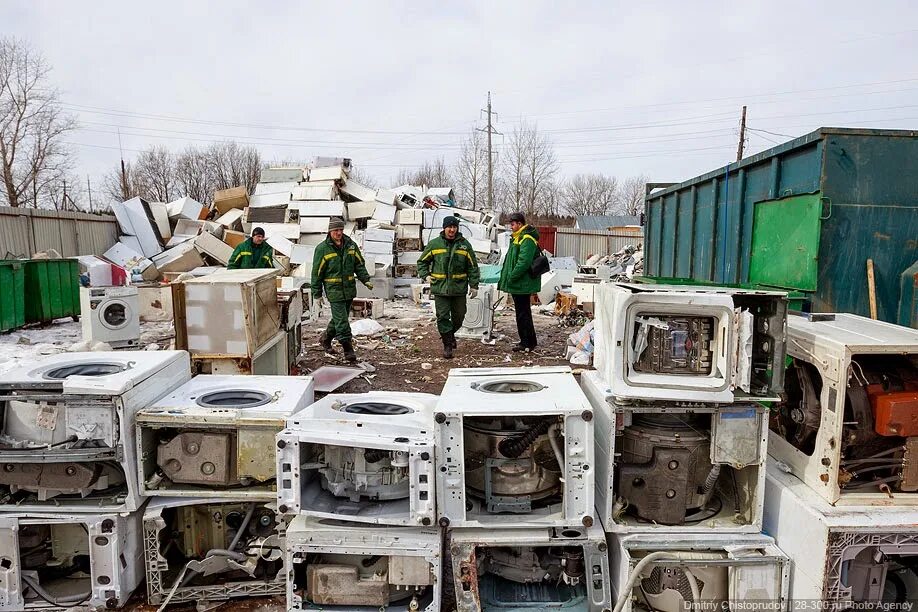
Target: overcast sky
651	88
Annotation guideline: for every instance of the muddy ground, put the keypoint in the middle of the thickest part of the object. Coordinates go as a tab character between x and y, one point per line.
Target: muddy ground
411	340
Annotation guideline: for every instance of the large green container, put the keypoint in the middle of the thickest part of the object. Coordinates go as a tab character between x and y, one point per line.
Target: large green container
805	215
52	289
12	294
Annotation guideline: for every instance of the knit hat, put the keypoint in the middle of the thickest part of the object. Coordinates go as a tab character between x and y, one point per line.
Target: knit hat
450	220
518	217
335	223
258	232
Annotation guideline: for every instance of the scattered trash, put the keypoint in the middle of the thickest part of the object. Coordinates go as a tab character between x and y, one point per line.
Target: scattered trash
580	345
366	327
426	366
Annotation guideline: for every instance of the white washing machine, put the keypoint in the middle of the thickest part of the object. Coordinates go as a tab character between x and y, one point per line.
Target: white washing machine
111	315
214	435
515	449
365	457
209	551
548	568
67	432
339	565
479	316
104	551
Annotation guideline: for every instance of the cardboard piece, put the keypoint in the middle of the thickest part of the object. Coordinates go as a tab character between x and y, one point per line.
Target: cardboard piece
361	210
231	219
234	238
212	246
358	192
228	199
182	258
184	208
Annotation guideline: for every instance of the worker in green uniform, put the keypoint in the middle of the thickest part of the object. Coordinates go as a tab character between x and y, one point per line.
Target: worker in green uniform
253	252
336	261
450	262
516	280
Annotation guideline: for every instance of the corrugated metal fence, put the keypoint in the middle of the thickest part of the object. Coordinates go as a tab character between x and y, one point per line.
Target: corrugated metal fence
570	242
25	231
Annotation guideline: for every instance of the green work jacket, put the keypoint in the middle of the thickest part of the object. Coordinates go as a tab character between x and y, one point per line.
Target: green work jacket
246	256
514	274
334	269
451	264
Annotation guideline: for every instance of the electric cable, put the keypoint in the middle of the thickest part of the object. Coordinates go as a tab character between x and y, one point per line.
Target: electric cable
71	601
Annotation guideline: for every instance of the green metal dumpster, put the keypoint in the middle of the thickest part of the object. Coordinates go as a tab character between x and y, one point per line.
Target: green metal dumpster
12	294
52	289
805	215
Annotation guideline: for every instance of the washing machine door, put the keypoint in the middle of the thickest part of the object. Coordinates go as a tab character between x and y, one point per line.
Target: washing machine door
115	314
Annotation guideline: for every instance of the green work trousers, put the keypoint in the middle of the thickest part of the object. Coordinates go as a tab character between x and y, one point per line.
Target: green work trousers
450	312
340	327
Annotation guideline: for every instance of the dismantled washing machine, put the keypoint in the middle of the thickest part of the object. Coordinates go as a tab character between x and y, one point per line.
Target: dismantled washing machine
848	426
675	573
675	468
70	561
67	437
366	457
536	568
861	557
340	565
212	551
110	315
515	448
690	343
212	436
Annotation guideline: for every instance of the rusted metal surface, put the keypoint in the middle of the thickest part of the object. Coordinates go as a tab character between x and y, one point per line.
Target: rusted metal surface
465	571
580	244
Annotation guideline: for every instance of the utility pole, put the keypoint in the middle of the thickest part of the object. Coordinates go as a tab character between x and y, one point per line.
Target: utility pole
64	197
89	189
491	131
742	136
124	185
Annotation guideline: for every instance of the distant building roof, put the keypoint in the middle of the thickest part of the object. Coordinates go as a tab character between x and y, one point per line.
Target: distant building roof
601	222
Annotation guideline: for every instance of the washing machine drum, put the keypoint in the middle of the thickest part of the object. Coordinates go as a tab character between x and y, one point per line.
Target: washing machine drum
115	314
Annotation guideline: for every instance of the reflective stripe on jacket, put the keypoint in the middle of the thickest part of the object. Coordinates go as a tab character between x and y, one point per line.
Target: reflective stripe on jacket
451	264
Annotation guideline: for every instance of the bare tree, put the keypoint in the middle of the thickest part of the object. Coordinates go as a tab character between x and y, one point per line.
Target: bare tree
363	177
232	165
541	168
192	173
33	126
155	175
632	194
472	172
431	174
516	158
591	194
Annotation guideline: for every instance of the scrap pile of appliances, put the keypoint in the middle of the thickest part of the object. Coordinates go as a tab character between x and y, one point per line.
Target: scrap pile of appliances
681	432
645	486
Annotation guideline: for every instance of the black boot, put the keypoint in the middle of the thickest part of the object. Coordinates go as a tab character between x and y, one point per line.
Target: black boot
349	353
452	340
326	340
447	346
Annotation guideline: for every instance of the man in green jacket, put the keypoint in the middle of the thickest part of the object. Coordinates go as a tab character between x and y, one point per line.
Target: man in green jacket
515	278
450	262
253	252
335	263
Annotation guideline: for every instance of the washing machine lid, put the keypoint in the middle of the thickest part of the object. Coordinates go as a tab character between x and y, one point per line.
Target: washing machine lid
381	411
509	391
102	373
233	399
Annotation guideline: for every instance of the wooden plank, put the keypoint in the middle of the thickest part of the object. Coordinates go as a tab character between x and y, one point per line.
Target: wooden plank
871	290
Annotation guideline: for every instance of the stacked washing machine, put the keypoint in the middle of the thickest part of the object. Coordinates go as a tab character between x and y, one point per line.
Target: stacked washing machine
356	480
515	483
70	501
842	486
681	433
205	457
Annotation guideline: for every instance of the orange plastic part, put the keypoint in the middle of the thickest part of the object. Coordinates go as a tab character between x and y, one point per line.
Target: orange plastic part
896	414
